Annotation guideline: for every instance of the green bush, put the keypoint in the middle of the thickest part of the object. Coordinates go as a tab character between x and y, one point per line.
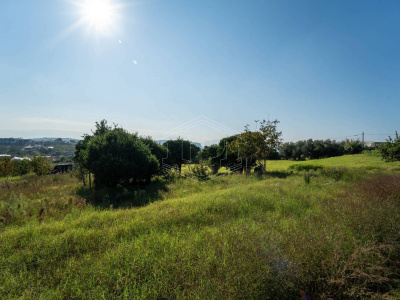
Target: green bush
6	167
118	157
390	151
375	153
40	165
159	151
353	146
200	171
22	167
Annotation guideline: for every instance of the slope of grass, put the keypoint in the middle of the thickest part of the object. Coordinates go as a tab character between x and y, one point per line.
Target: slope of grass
229	238
348	161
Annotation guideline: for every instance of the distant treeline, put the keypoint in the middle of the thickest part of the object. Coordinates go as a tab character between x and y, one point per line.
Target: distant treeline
38	165
300	150
315	149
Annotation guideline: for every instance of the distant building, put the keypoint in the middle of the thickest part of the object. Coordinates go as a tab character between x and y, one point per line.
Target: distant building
373	145
21	158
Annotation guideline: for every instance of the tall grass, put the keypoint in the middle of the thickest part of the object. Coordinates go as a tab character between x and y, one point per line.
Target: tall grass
336	237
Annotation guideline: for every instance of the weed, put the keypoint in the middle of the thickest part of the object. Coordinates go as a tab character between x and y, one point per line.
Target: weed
307	177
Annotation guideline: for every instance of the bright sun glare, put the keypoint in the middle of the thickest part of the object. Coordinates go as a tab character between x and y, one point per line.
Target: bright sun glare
99	15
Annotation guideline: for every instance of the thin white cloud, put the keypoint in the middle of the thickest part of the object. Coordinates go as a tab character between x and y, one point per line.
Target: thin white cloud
50	121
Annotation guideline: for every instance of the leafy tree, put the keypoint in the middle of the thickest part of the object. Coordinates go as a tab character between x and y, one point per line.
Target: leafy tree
6	166
22	167
41	165
353	146
310	149
246	146
286	151
115	156
319	149
118	157
257	145
390	150
268	140
80	156
156	149
212	155
227	157
102	128
181	151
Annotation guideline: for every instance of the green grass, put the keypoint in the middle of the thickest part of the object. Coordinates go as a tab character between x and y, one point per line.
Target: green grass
11	178
230	238
348	161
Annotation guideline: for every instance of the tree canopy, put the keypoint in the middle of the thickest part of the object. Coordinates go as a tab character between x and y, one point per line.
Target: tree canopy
180	152
257	145
390	151
116	156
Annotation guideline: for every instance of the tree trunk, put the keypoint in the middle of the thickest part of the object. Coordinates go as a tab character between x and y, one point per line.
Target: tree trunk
265	166
83	175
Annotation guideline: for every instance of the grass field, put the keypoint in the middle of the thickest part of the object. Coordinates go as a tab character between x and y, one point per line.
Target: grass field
336	237
348	161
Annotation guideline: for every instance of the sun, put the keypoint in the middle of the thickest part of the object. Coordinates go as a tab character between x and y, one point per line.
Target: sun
99	15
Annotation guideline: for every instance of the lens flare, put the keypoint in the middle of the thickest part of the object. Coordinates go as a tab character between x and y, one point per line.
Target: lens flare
99	16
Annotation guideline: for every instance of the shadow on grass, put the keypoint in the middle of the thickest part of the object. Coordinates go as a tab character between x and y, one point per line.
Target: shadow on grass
124	197
277	174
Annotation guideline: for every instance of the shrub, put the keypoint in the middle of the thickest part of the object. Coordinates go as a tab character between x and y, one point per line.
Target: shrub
22	167
372	153
180	152
40	165
200	171
156	149
6	167
390	151
307	177
118	157
353	146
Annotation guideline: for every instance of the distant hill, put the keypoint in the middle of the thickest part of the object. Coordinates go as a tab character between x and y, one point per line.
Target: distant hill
50	139
38	146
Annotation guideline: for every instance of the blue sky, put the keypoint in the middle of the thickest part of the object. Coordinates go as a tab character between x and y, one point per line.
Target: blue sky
324	69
